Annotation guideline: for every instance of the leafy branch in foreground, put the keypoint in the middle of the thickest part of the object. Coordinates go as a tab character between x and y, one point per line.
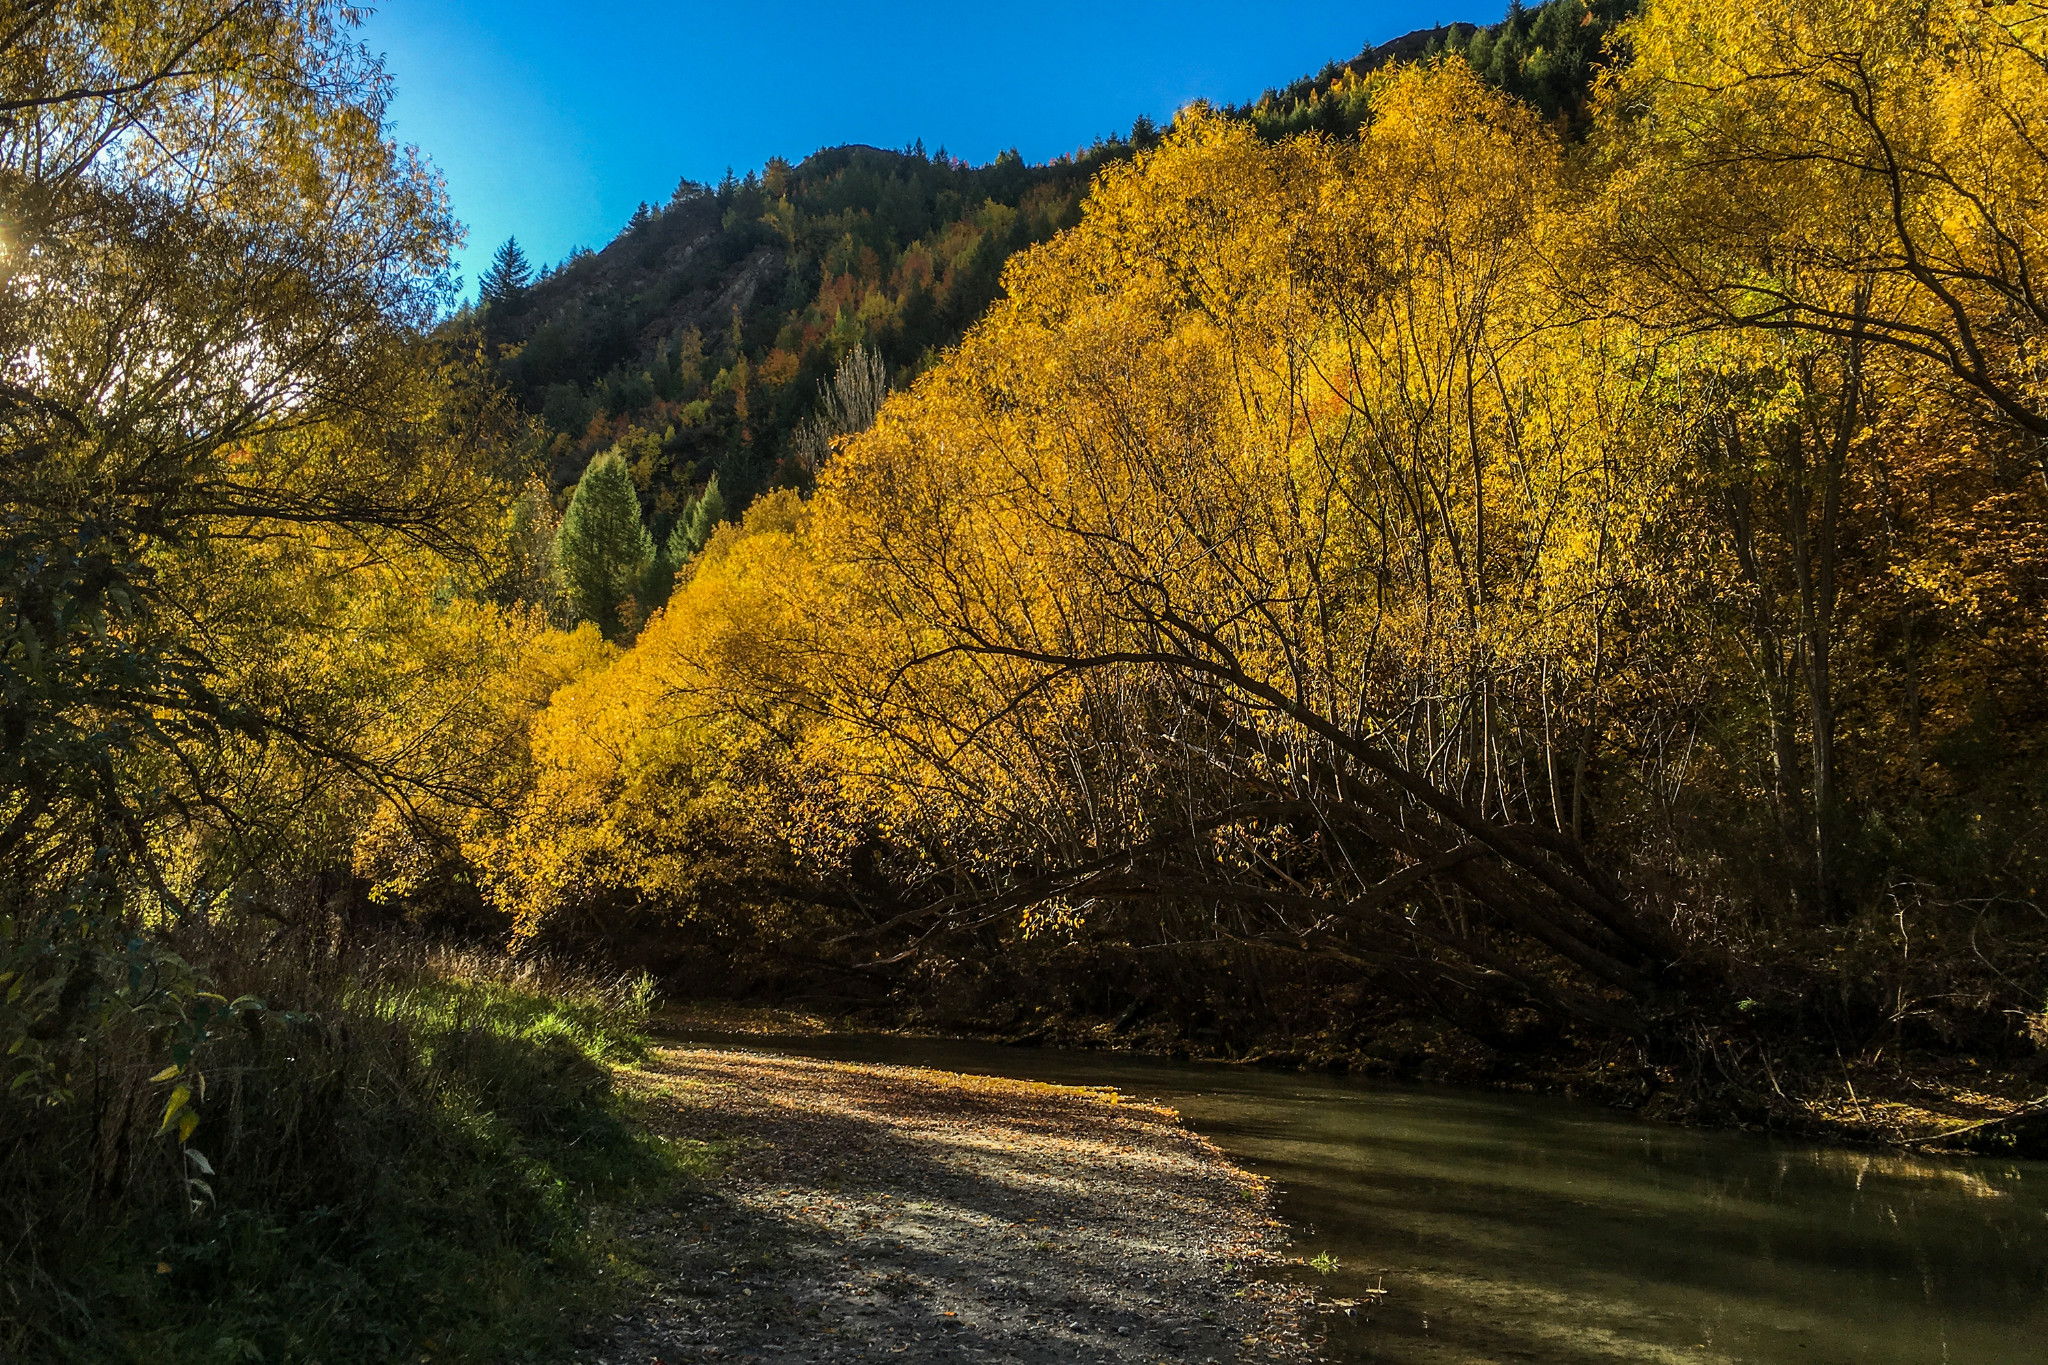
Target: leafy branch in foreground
246	530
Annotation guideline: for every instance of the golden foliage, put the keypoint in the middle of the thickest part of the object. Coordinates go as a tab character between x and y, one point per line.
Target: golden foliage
1508	568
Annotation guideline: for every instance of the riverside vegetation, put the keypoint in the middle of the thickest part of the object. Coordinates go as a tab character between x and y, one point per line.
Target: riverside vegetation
1514	595
1522	557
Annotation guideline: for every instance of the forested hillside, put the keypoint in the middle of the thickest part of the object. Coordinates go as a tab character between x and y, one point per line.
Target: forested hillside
698	339
697	344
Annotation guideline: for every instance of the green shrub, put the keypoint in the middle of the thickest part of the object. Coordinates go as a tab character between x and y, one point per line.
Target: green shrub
396	1153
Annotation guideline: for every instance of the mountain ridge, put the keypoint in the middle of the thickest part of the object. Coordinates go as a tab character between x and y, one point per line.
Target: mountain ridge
696	341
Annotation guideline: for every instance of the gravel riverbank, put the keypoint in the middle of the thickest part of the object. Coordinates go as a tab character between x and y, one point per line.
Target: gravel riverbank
893	1213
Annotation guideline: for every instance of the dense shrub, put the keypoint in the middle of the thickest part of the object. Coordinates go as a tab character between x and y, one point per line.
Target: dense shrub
396	1153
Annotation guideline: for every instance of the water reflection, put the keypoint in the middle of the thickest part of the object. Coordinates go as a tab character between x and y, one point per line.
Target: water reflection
1507	1228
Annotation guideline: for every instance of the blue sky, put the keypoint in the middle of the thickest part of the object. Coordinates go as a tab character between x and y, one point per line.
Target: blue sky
552	121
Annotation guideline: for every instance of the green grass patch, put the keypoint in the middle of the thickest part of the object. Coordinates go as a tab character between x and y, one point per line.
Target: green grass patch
424	1167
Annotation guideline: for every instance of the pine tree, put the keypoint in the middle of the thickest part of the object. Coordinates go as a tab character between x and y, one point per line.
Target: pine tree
604	550
700	518
508	276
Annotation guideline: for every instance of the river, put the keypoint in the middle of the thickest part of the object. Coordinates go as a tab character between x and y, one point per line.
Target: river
1508	1228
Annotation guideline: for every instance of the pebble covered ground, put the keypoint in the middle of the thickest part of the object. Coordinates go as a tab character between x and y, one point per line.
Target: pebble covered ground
878	1213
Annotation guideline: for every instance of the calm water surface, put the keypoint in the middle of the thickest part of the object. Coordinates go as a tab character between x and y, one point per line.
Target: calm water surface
1506	1228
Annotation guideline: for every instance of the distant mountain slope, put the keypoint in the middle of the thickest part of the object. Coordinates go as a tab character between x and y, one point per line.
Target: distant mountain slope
699	336
1548	55
696	341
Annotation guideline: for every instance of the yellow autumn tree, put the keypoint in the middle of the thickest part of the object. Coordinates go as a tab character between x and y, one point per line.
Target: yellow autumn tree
693	780
1539	578
1848	168
1256	552
1827	216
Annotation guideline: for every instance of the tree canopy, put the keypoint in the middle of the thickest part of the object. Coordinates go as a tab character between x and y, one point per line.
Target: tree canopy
1558	573
214	392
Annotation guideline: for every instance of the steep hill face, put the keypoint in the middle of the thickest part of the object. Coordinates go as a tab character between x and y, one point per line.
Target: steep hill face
696	342
698	338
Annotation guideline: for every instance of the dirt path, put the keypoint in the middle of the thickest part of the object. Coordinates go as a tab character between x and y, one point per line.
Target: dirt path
892	1213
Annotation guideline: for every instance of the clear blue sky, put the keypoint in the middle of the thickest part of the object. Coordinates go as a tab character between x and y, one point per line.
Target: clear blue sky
552	121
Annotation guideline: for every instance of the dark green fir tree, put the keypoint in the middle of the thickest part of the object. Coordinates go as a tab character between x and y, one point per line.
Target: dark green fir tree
604	551
509	275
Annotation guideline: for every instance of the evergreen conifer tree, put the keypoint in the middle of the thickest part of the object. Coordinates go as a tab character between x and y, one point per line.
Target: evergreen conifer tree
604	550
508	276
694	527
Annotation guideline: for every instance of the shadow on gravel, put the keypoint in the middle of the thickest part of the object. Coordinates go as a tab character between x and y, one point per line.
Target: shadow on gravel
874	1215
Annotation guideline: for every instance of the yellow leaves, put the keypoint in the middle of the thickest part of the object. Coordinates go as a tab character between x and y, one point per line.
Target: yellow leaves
636	756
1289	394
1051	917
1834	166
743	612
780	219
1441	133
553	659
176	1106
